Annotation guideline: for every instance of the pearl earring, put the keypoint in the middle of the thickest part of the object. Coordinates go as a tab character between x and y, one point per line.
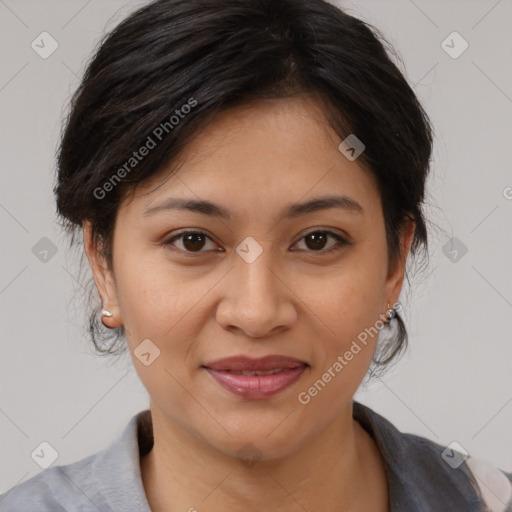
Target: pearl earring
390	313
105	312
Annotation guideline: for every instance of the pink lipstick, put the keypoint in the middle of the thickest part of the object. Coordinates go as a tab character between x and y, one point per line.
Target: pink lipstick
256	378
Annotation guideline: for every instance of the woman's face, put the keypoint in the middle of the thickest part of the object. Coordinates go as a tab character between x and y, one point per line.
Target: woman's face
256	283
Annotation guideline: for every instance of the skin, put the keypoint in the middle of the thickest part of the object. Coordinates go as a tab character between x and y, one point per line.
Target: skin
296	299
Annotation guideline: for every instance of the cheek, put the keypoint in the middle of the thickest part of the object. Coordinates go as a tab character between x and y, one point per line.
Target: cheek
148	296
349	306
351	300
350	313
160	302
158	306
350	324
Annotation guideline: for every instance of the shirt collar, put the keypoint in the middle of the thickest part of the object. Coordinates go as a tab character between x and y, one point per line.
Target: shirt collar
117	468
418	478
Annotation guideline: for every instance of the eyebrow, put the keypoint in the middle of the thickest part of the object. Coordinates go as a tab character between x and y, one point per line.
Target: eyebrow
289	212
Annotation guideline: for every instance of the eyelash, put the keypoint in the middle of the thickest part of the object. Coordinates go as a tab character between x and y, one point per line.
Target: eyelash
341	241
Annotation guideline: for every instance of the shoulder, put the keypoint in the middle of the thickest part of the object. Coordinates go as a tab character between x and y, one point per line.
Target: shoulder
452	466
108	480
51	490
425	475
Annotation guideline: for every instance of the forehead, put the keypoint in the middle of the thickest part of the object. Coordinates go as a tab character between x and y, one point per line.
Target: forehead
264	153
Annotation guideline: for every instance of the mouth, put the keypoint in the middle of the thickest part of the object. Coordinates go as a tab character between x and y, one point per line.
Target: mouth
253	372
244	363
256	378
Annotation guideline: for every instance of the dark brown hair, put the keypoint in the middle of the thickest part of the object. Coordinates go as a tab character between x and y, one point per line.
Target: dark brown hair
210	56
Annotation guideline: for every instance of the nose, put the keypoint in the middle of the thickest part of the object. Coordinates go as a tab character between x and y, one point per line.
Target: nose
257	300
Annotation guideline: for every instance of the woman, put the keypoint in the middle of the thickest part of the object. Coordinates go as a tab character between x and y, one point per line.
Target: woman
249	177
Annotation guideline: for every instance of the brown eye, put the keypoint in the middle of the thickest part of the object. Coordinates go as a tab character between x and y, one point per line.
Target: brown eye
191	241
196	241
315	241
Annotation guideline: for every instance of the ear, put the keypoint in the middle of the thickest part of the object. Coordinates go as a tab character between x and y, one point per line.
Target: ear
396	274
103	277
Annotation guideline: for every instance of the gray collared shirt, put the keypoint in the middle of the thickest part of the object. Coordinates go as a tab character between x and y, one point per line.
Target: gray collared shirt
423	476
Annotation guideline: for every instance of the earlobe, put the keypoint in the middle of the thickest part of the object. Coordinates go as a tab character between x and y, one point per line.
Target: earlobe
103	278
108	320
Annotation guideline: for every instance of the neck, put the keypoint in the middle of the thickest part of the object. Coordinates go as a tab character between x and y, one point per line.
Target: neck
340	470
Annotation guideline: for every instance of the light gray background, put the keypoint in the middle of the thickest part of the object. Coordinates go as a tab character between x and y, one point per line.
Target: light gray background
454	384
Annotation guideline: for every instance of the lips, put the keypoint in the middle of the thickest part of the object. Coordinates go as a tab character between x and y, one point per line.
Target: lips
256	378
248	364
